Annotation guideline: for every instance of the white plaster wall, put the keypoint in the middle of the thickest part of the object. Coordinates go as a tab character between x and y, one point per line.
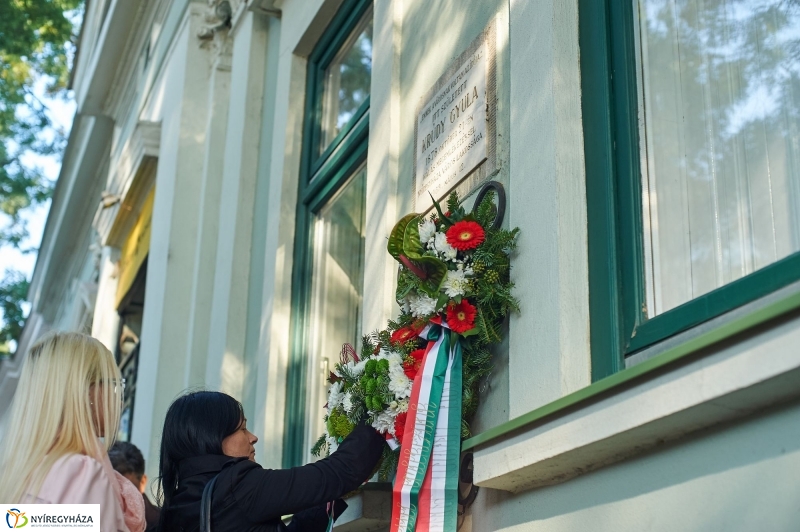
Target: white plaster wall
226	368
180	102
256	359
549	338
105	325
197	347
76	299
380	269
739	478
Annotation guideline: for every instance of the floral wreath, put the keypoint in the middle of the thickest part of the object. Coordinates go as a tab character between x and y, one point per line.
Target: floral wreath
454	266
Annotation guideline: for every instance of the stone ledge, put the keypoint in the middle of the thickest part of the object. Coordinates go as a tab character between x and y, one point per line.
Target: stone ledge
367	511
729	381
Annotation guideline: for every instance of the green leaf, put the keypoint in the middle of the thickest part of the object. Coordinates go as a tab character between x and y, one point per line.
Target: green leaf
442	300
434	269
13	293
489	331
412	246
487	210
396	237
442	218
320	447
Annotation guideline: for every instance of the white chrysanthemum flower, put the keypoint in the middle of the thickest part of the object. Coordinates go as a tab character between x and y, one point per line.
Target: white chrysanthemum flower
384	421
399	384
335	396
455	284
395	359
422	306
402	406
444	248
347	402
332	444
406	306
358	367
426	230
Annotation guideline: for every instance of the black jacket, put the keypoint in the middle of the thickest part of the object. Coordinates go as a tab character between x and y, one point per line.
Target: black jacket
248	497
151	514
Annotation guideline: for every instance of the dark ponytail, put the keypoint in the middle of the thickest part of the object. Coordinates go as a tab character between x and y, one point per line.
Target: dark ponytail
195	425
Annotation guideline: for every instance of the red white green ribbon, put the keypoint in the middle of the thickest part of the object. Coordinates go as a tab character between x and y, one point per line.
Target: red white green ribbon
329	511
425	496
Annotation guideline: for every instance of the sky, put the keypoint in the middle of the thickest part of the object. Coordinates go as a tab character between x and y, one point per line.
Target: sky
61	113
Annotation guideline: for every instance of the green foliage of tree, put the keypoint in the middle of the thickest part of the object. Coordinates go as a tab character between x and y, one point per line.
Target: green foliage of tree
36	41
13	290
37	38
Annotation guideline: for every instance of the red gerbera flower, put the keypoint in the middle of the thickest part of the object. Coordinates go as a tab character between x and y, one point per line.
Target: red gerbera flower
404	334
465	235
413	362
400	427
461	317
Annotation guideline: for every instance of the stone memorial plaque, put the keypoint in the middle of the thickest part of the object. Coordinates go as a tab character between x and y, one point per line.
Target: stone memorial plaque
451	130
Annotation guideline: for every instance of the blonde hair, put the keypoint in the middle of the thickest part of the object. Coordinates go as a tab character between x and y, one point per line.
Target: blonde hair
51	415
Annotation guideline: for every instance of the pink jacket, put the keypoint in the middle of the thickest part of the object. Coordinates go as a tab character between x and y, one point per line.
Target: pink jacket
80	479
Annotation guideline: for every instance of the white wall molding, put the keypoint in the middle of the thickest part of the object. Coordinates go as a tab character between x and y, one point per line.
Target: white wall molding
208	215
129	182
380	269
226	365
182	96
734	380
102	60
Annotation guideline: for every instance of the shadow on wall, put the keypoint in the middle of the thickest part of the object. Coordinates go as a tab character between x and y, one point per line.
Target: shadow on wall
433	37
734	477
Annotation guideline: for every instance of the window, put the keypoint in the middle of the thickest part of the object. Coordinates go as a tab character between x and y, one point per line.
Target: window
692	139
346	82
328	277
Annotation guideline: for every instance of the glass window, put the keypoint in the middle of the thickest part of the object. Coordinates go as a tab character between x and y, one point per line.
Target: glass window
719	94
346	81
328	273
337	279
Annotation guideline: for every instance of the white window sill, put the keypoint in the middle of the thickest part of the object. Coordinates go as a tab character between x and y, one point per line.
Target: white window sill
721	383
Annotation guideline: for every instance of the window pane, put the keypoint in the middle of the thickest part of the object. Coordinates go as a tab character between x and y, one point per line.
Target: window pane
347	81
719	95
337	281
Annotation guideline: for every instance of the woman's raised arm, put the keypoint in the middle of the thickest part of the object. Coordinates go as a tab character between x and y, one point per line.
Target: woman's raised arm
270	493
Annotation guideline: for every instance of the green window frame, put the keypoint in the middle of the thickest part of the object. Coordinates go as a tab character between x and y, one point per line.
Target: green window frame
619	323
322	174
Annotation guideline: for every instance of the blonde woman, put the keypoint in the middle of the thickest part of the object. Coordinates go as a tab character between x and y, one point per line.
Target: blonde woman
63	420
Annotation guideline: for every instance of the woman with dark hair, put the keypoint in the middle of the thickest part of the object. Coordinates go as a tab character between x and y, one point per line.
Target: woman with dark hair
205	437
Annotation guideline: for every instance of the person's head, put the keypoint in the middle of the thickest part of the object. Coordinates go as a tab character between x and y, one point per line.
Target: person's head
197	424
69	394
128	461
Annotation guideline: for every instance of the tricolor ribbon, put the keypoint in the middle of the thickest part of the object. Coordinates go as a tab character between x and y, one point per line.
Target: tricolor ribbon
329	511
425	494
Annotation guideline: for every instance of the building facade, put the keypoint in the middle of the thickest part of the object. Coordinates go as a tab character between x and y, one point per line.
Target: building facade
235	167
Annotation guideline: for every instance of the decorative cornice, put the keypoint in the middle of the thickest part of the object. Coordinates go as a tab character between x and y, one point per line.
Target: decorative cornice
218	18
129	181
221	46
265	7
125	87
